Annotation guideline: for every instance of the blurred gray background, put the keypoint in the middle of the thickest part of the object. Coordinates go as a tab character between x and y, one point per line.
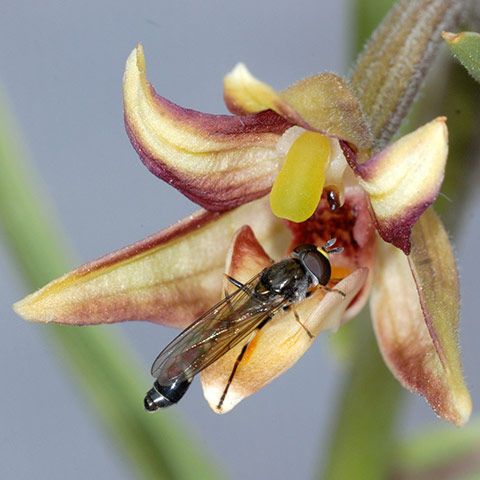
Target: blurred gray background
61	65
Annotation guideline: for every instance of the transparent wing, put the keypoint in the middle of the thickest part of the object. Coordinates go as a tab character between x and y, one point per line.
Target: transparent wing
213	334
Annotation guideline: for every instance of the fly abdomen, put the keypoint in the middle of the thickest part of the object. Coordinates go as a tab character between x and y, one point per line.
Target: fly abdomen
161	396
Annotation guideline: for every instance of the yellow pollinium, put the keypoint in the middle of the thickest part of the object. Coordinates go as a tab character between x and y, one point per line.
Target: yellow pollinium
298	187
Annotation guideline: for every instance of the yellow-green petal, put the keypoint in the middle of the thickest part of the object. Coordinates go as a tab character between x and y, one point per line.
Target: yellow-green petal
243	93
435	273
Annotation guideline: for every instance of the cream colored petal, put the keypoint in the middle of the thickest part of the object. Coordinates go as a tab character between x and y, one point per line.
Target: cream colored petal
405	322
324	103
218	161
404	179
169	278
243	93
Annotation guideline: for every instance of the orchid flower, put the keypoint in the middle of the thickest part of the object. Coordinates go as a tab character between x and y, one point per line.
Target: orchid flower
312	149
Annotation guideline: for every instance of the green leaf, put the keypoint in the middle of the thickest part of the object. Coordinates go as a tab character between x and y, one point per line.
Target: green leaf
465	47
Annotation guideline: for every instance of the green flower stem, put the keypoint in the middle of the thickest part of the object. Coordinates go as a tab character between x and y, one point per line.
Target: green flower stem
363	440
391	68
101	363
365	17
440	450
362	443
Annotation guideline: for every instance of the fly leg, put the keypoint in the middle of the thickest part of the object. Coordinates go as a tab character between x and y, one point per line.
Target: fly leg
239	359
228	300
297	319
334	290
238	284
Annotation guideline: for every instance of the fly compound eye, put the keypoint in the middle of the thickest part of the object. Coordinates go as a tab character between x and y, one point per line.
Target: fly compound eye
318	266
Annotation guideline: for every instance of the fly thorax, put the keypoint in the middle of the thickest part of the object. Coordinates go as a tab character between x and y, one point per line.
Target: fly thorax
286	279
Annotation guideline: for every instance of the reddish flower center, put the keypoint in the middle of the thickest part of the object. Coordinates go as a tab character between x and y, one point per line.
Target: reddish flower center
350	224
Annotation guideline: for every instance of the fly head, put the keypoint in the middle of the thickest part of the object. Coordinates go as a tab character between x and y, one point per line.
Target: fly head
315	261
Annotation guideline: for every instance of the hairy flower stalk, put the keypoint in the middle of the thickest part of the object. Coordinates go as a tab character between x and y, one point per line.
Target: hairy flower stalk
319	149
389	71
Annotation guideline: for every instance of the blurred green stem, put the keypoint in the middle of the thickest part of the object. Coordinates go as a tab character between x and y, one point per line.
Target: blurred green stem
365	15
361	445
100	362
363	442
442	452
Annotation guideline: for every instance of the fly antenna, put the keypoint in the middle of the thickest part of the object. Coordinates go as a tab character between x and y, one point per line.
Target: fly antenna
329	244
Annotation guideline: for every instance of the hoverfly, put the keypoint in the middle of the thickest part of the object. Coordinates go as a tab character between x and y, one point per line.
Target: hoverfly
233	319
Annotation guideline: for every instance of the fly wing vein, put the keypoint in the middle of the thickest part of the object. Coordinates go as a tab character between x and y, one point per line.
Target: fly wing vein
213	334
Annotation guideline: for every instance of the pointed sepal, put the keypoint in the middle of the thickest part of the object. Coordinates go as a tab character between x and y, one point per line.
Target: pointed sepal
218	161
168	278
403	180
416	317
